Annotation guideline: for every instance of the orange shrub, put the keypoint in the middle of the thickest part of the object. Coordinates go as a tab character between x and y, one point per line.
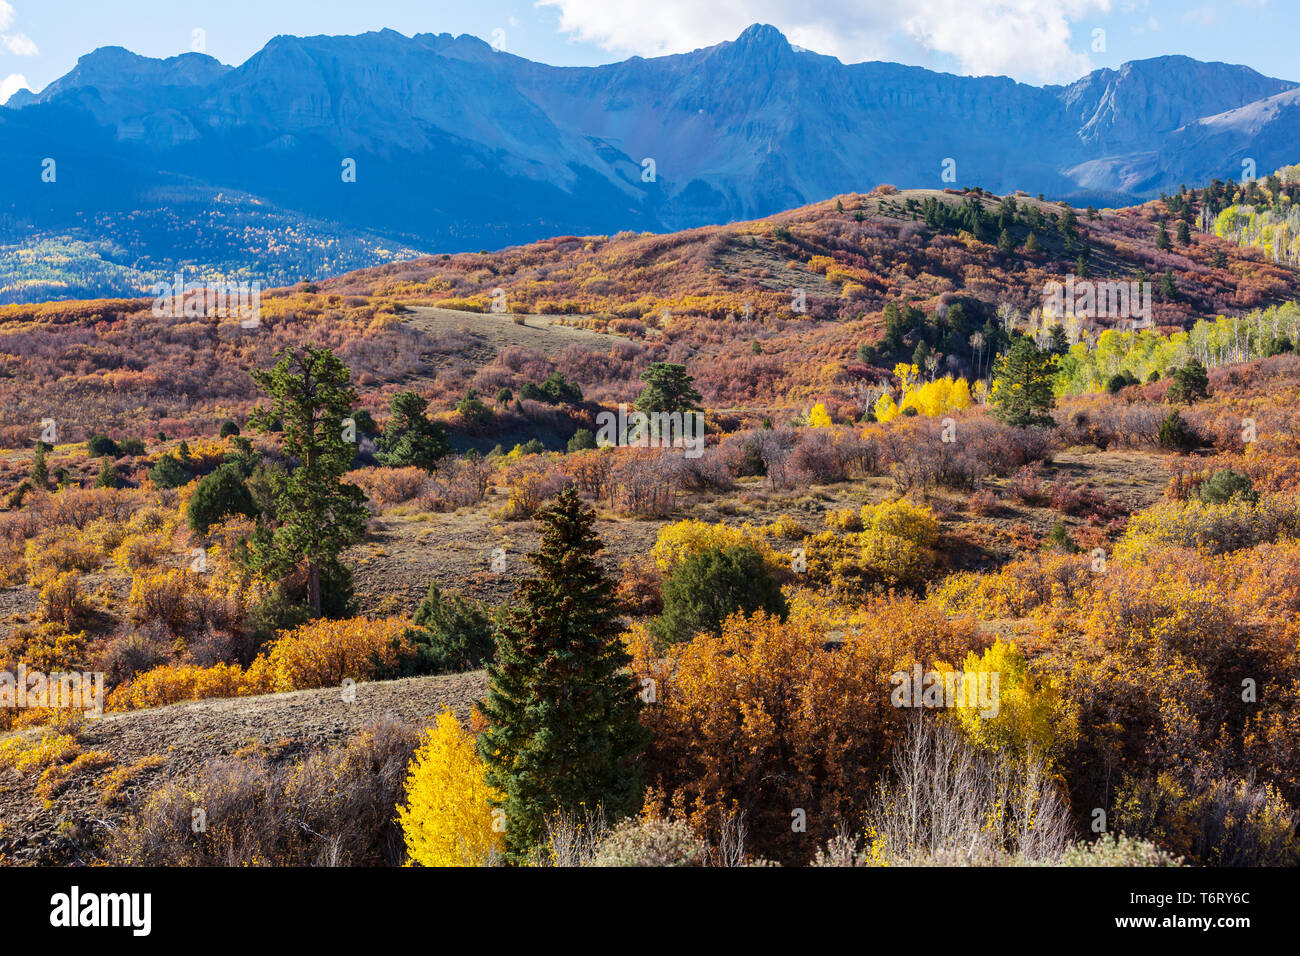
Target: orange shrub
766	719
390	486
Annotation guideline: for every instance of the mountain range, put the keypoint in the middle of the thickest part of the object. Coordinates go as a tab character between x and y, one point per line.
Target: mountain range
457	146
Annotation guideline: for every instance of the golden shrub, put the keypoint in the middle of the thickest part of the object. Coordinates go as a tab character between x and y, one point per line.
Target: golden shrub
685	539
61	600
57	550
24	755
324	653
843	519
163	596
171	683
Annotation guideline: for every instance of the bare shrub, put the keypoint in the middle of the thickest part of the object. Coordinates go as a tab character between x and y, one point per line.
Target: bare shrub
572	839
773	447
134	651
817	457
946	798
332	808
646	482
462	482
642	842
1026	486
731	839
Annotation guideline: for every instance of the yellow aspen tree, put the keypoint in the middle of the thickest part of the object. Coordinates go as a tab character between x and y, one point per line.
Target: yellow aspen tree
448	818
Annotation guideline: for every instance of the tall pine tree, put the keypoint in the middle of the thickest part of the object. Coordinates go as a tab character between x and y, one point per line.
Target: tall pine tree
1023	393
562	709
319	514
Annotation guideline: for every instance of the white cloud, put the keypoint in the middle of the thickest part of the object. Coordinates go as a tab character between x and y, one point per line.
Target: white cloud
6	15
11	84
1027	39
1204	16
20	44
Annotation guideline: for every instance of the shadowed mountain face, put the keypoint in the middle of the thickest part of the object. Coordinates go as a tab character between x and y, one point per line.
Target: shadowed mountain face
457	146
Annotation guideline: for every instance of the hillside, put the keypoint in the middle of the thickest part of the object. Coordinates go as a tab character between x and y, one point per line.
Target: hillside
911	457
680	297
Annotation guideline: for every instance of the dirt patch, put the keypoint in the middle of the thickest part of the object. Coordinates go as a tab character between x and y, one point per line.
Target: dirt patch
491	332
394	567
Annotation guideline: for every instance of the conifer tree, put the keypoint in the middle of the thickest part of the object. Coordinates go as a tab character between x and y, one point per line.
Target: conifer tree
40	470
107	477
410	438
562	709
667	389
319	514
1022	393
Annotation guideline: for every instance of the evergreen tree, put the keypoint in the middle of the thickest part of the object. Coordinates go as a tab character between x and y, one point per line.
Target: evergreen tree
451	634
1162	238
319	515
473	412
1022	393
410	438
667	389
583	439
708	587
1175	433
1190	382
1060	340
40	470
1168	289
562	709
219	495
896	326
1070	222
107	477
168	473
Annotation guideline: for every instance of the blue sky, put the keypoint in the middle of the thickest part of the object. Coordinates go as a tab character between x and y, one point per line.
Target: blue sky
1037	42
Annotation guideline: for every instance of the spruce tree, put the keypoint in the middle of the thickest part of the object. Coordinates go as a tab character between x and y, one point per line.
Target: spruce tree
562	709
